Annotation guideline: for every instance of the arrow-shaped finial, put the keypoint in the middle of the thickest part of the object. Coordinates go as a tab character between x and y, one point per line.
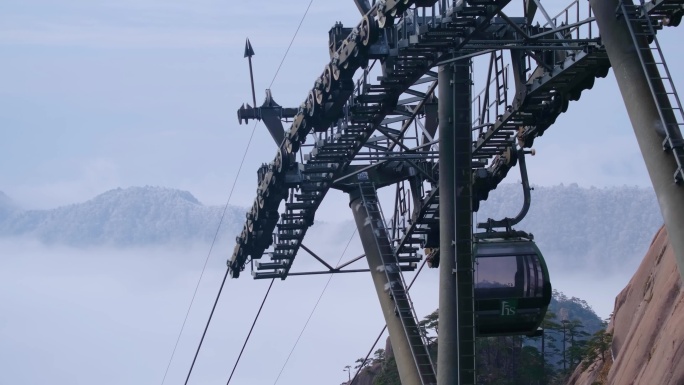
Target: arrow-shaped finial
249	51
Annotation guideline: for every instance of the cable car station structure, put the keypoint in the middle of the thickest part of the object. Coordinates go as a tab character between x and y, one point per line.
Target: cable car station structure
395	107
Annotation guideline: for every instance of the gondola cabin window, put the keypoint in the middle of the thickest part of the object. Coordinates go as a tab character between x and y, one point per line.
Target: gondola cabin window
518	276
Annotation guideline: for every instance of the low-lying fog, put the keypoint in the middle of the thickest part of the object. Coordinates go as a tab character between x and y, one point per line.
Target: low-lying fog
111	316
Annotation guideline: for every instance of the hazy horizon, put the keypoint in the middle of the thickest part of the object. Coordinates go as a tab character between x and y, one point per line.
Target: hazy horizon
508	181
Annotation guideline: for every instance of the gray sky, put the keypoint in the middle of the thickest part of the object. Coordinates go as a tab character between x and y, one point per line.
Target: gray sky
107	94
98	95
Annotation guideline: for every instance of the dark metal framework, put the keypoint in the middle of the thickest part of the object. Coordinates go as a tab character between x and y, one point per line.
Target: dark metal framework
549	66
372	112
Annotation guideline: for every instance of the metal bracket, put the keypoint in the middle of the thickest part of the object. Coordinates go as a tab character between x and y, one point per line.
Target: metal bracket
508	223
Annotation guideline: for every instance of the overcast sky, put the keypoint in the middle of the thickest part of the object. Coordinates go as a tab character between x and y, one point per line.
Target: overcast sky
102	94
97	95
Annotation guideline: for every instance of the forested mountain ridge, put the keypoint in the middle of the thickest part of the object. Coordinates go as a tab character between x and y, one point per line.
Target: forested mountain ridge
569	222
122	217
600	228
7	206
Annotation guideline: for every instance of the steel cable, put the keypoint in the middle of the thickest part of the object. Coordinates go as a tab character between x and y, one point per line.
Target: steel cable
206	327
306	12
313	310
219	226
211	248
250	331
242	162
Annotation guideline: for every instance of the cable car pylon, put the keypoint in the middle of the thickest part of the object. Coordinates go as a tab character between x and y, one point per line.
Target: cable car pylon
363	118
652	108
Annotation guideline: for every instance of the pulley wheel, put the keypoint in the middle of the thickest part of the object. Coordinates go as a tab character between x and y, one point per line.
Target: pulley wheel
328	78
369	31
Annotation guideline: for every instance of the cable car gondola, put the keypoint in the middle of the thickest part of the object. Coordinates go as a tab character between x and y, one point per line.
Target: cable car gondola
512	286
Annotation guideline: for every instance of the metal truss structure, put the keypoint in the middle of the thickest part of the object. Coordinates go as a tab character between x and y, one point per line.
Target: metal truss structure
549	66
371	121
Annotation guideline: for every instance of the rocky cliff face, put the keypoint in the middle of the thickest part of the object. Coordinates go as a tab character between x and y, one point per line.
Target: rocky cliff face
647	327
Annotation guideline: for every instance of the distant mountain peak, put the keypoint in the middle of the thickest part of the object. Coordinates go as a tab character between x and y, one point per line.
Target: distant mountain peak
124	217
148	192
7	205
4	197
570	223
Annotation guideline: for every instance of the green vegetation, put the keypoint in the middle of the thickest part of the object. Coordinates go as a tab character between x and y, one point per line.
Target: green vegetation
389	375
596	348
573	335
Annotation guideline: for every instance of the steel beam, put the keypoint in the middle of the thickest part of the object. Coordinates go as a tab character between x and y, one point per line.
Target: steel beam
464	220
456	346
643	113
408	372
447	348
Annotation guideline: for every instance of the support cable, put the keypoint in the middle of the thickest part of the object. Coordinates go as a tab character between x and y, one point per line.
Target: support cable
291	41
314	309
199	346
250	331
370	351
204	333
219	226
206	260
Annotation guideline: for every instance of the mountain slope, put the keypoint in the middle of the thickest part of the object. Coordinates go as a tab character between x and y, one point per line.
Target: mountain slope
648	338
7	206
123	217
574	226
603	228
